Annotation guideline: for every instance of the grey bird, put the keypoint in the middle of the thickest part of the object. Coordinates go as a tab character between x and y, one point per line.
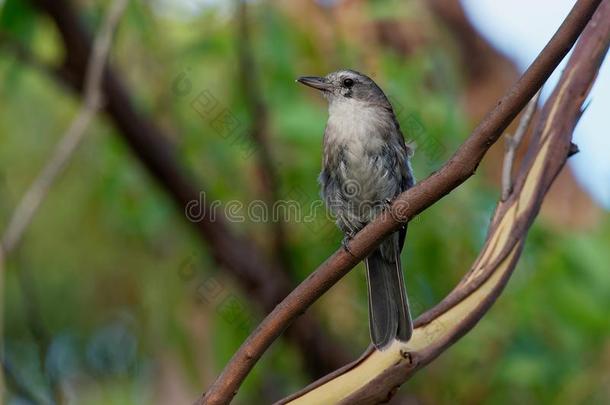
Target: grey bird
365	166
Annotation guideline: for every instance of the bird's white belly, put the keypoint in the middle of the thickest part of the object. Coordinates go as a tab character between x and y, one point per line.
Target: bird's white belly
356	132
353	123
355	129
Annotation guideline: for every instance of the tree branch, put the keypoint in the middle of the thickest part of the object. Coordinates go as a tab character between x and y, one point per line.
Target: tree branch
261	278
92	102
513	142
458	169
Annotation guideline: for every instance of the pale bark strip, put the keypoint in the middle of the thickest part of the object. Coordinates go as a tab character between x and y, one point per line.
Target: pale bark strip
512	144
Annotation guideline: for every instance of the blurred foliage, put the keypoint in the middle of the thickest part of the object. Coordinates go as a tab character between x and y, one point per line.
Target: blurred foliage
103	299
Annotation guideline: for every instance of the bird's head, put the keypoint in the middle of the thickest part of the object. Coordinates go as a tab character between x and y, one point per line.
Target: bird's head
344	85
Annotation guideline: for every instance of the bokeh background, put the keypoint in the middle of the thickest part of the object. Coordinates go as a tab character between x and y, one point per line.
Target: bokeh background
112	297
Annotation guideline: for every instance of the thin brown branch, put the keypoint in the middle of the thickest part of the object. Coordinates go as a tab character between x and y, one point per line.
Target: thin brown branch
513	142
262	279
377	375
92	101
458	169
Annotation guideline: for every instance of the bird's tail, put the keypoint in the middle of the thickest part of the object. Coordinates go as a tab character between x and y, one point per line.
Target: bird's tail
389	316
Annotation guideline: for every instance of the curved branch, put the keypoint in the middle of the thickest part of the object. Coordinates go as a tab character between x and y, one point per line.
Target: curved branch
92	102
512	144
377	375
458	169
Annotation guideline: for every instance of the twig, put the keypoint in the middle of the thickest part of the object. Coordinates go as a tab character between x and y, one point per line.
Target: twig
513	142
64	150
458	169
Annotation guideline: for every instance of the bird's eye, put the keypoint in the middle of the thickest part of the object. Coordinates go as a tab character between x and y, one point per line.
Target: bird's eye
348	82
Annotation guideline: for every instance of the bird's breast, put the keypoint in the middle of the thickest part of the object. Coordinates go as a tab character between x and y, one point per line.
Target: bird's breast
356	128
358	154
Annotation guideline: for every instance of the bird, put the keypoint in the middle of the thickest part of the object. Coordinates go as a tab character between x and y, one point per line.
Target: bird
365	165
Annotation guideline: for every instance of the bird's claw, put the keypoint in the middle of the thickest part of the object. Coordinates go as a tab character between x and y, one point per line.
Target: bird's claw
345	243
386	205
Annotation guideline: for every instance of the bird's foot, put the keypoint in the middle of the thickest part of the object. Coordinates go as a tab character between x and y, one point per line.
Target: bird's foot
387	206
345	242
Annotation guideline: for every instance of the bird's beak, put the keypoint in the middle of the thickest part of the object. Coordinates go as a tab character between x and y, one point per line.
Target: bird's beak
319	83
